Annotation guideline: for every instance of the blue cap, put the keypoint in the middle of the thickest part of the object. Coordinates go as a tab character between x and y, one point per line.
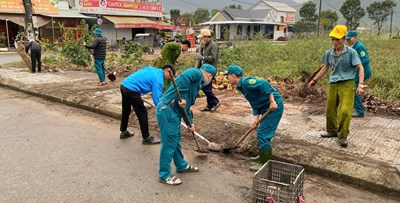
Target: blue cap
209	69
233	69
98	31
351	33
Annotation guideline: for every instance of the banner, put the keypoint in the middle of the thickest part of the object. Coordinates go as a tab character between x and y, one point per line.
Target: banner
89	6
290	17
190	37
39	6
121	7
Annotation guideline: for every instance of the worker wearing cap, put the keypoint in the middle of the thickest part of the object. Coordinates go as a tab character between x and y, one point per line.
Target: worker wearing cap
169	113
208	55
343	63
148	79
99	45
170	52
261	96
360	48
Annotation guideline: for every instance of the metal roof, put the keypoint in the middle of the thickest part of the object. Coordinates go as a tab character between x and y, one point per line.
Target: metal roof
280	6
236	14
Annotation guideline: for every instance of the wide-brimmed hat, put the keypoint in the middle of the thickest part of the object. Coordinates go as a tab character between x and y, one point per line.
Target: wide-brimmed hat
204	32
338	32
98	31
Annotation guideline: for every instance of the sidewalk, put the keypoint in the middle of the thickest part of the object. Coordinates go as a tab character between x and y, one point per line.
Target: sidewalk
374	142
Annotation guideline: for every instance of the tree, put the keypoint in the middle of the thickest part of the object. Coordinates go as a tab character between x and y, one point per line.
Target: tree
213	12
308	11
328	19
235	6
175	13
379	12
201	15
189	17
305	26
352	12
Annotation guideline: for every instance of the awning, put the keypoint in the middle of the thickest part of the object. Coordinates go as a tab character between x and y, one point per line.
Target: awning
131	22
139	22
38	21
165	26
67	13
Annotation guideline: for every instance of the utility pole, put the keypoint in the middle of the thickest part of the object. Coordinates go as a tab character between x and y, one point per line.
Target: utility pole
319	16
391	20
30	33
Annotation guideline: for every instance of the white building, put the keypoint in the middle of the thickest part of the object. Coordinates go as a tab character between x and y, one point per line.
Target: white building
266	18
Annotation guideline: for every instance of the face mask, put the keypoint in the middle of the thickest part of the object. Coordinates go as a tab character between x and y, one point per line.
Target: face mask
203	84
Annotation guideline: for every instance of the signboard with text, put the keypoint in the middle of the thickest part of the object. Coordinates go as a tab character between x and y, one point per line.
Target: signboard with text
39	6
121	7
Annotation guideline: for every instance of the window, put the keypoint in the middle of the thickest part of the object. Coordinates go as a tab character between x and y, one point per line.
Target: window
239	31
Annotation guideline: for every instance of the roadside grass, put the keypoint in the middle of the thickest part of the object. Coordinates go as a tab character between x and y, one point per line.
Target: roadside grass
301	57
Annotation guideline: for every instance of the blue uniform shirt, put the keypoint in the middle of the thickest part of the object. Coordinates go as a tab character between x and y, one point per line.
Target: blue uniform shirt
148	79
188	85
257	92
342	66
364	56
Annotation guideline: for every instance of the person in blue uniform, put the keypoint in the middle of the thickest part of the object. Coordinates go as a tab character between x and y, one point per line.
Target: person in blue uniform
148	79
362	51
261	96
169	113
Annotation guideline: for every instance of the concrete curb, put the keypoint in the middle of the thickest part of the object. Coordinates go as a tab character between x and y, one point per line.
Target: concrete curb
349	171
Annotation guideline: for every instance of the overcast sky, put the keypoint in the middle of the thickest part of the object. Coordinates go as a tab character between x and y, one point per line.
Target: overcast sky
192	5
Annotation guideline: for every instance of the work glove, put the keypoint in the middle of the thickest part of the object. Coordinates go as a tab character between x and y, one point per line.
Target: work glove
199	56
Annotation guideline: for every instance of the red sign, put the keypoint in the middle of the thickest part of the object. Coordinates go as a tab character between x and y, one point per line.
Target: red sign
121	7
290	17
191	38
89	3
146	25
122	4
180	22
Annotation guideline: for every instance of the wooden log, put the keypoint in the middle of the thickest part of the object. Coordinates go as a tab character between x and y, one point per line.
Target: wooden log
25	57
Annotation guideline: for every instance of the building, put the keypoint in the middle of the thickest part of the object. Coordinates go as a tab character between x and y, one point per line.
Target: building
124	19
265	19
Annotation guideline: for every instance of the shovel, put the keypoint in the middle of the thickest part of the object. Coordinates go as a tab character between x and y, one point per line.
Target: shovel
212	146
199	150
227	150
110	76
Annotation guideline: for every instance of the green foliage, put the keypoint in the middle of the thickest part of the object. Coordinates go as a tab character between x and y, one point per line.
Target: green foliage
308	12
189	17
301	57
328	19
73	49
175	13
379	12
201	15
213	12
51	59
352	12
304	26
46	45
234	6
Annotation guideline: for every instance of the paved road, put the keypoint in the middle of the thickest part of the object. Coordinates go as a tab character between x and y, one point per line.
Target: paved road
54	153
9	57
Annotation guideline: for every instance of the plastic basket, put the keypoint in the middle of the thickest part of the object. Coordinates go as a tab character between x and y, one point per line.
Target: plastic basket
283	181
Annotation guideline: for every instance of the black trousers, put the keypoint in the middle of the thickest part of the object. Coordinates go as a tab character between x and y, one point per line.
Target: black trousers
36	55
134	99
211	98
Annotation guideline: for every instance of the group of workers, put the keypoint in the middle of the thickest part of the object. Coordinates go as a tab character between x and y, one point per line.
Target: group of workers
348	65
